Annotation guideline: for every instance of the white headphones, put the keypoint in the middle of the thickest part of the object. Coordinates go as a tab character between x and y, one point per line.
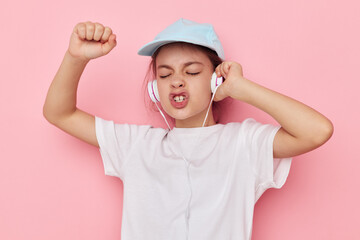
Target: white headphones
154	93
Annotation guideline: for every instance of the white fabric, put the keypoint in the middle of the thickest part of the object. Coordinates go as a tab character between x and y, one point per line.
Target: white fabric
231	166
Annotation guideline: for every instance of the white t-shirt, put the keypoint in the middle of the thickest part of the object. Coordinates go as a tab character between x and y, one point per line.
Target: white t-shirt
212	198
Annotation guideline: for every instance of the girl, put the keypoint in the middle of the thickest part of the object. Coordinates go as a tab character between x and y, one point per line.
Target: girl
201	179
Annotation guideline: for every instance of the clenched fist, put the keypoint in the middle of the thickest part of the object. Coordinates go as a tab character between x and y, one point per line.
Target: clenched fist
91	40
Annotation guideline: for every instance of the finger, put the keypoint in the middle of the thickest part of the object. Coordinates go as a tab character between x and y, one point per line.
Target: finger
227	68
80	30
218	70
99	30
241	70
219	95
90	29
222	69
106	35
110	44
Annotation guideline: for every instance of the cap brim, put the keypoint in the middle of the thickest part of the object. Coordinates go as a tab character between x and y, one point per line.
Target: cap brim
149	48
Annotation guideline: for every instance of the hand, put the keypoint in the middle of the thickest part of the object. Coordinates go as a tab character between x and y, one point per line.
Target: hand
232	72
91	40
302	128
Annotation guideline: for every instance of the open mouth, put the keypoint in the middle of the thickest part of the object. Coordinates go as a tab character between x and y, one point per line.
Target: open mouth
179	100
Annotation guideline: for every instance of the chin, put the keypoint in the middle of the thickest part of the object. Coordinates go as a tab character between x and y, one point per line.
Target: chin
179	116
184	113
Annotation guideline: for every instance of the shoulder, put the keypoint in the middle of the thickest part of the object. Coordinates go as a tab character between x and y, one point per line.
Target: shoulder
129	128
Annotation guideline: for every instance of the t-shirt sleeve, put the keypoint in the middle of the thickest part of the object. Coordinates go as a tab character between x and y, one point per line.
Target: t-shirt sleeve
116	141
269	172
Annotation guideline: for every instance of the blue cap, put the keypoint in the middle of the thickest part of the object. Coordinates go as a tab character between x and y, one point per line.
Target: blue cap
184	30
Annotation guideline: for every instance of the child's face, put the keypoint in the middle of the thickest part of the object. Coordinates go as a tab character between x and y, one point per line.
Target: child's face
182	68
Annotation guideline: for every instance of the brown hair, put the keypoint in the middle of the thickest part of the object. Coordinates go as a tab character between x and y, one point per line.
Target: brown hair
151	75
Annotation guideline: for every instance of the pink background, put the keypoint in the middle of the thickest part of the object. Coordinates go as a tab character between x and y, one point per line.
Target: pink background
53	186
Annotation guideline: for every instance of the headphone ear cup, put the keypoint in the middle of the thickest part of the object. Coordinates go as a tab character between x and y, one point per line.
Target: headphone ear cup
153	91
215	82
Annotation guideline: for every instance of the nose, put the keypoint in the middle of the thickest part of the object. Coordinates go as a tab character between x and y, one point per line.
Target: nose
177	82
178	85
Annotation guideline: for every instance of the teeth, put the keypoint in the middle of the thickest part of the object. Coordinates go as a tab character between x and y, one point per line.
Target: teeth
179	98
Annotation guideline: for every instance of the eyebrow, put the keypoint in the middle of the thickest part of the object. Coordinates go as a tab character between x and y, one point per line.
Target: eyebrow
185	65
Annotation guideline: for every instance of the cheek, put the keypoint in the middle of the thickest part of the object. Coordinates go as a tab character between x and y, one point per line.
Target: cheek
162	91
205	87
202	94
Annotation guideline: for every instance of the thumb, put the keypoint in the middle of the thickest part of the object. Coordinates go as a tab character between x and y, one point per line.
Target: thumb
110	44
220	94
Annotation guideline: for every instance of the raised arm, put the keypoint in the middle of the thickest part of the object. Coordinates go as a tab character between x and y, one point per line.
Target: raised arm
88	41
302	128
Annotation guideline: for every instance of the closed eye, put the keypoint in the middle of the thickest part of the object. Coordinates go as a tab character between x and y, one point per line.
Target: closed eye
187	73
164	76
